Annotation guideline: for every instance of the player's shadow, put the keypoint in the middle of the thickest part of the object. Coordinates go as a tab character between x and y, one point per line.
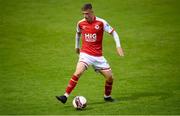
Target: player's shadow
93	103
135	96
89	103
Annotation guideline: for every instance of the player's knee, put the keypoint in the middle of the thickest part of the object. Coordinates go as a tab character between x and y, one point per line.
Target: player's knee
78	74
110	78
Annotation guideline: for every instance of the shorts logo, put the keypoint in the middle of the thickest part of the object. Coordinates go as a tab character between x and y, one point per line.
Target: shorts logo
90	37
96	27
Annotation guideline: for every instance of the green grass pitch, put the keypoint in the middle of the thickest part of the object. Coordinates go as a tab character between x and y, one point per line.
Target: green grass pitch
37	57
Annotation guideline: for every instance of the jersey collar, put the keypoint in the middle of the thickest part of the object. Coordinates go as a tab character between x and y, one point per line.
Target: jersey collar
93	20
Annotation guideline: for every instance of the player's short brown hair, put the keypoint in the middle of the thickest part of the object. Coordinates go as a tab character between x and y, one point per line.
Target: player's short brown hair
86	7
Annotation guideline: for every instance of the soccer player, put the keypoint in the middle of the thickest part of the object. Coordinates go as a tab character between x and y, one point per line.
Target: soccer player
91	29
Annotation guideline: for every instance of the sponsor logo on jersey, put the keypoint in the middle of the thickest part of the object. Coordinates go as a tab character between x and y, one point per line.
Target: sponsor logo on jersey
90	37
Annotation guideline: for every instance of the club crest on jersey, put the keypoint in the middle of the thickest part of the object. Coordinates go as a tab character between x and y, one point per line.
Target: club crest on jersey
96	27
90	37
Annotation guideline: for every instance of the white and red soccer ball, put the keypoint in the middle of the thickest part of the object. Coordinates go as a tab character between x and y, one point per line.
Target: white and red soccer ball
79	102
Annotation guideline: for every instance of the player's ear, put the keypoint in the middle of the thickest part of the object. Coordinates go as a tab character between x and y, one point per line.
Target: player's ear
92	11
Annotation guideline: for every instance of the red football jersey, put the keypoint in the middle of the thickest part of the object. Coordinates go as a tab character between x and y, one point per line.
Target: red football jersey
92	35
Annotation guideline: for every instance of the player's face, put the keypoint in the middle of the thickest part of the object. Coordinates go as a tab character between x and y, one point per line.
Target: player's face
88	15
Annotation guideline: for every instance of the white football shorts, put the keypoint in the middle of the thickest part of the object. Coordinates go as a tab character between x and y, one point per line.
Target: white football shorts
97	62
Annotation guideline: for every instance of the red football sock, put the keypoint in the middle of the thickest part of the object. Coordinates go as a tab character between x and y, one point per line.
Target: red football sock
72	83
108	88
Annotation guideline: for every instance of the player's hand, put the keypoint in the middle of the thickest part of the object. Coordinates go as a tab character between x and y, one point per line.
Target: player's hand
120	51
77	50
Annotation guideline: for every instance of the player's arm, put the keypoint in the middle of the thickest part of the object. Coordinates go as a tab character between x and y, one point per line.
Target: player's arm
77	42
77	39
111	31
118	43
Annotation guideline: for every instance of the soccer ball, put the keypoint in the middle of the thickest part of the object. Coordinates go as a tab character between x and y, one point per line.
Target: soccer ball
79	102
